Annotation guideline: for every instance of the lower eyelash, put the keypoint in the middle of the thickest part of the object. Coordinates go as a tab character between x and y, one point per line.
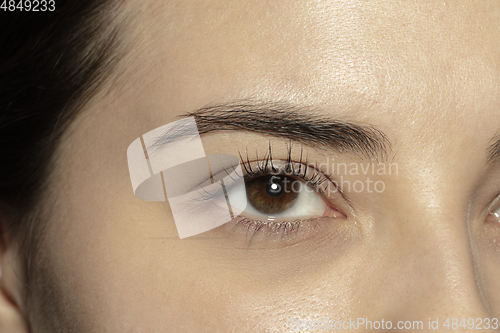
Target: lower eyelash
268	227
285	228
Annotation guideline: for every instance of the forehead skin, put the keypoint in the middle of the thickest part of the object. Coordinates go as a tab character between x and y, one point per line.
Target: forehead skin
424	72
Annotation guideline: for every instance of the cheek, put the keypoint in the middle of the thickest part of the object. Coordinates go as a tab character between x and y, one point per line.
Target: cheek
119	269
119	263
486	249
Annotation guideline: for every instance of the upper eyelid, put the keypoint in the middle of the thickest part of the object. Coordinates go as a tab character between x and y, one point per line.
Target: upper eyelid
264	170
302	171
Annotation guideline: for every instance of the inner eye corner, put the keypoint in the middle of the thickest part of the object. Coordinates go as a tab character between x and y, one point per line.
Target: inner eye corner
492	216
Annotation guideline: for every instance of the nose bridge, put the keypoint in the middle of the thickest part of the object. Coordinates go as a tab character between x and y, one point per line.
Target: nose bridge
432	234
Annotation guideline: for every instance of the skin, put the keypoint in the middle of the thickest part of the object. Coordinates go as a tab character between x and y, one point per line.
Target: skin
426	73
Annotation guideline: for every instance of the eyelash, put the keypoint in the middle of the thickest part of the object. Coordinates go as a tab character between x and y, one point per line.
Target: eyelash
297	169
265	166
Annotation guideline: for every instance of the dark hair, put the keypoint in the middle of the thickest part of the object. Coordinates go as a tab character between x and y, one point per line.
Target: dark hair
51	63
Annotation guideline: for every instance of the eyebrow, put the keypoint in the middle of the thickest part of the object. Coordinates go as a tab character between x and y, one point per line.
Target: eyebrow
306	125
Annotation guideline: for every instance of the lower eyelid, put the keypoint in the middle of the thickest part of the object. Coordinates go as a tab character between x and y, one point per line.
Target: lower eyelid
256	234
270	226
276	228
269	229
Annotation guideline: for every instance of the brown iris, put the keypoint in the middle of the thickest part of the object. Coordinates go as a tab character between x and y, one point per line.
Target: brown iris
271	194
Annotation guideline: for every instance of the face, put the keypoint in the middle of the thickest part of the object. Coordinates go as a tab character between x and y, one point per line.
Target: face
421	78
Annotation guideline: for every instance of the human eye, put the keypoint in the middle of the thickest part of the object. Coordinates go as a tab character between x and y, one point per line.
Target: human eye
283	195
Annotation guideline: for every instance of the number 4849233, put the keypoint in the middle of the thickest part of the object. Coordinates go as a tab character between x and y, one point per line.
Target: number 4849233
471	323
28	5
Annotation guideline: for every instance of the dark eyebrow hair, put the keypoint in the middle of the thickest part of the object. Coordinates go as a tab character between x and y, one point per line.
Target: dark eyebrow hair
305	125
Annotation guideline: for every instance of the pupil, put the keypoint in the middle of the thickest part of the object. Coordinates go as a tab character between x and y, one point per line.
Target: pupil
270	195
274	187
